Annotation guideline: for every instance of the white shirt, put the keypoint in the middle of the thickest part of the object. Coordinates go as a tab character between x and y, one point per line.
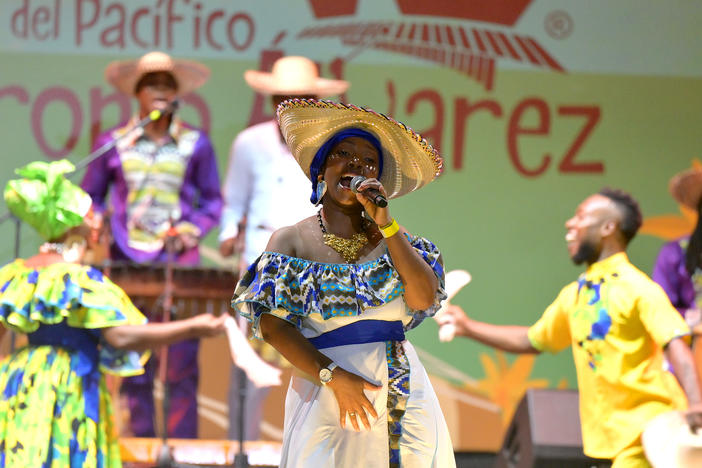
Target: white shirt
265	183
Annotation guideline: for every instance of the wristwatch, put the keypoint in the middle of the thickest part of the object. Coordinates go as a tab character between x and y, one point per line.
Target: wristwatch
325	374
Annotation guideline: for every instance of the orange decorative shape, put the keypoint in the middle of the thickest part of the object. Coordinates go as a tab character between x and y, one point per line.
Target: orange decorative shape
667	227
505	384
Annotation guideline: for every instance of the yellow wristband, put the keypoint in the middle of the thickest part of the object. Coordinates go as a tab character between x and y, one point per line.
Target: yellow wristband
390	229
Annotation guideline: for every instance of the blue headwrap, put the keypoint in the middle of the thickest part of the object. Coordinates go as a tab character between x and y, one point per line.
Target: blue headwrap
321	156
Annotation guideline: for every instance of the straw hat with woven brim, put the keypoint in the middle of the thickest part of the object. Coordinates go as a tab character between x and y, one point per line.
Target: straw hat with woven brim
686	187
669	443
124	75
294	76
409	162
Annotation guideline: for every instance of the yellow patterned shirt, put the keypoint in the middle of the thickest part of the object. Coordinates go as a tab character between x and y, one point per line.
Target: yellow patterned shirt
617	321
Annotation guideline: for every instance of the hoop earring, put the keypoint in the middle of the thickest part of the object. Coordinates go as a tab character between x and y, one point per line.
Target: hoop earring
321	190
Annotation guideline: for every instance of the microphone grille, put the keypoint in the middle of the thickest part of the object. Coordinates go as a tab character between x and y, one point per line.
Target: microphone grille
355	182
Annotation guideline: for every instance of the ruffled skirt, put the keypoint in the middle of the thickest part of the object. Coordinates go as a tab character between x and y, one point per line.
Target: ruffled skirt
43	421
410	431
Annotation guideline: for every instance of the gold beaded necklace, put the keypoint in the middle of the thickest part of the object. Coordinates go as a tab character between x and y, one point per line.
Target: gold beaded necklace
347	248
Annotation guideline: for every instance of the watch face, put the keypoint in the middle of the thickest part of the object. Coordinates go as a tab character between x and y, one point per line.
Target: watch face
325	375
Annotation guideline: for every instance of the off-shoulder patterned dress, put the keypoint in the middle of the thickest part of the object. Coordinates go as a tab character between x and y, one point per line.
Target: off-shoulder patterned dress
54	409
356	315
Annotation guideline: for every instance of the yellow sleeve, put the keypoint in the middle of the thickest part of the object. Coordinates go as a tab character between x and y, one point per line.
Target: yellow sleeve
552	331
662	321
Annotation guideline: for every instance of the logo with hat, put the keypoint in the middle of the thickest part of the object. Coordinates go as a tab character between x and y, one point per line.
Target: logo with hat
472	51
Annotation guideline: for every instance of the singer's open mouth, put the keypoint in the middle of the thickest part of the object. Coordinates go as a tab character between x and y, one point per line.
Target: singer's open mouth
345	182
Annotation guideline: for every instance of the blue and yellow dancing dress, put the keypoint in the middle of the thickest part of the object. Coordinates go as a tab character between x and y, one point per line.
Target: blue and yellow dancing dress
55	410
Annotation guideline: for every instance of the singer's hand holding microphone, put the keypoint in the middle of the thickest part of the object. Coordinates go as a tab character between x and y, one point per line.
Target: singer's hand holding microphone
371	194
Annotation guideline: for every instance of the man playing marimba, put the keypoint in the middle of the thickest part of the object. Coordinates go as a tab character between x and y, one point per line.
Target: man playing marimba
163	184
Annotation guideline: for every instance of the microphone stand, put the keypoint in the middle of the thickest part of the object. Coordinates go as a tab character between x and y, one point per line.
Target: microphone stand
165	458
241	459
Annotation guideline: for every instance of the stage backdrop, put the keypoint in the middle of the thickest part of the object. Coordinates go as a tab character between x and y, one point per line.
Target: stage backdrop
534	105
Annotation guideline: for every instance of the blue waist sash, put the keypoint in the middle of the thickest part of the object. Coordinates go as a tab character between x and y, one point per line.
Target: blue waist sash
363	331
82	344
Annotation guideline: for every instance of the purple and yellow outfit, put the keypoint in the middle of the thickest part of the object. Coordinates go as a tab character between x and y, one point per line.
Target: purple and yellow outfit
356	315
55	409
671	273
617	321
152	185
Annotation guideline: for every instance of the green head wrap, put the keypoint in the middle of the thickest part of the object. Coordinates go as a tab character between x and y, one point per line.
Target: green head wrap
45	199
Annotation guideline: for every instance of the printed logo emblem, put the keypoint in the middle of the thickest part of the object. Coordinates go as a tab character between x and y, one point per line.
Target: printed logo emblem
472	51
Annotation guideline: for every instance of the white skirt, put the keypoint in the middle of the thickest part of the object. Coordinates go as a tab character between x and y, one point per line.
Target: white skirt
312	434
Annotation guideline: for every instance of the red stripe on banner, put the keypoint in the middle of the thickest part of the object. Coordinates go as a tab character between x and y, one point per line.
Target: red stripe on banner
471	64
464	63
493	42
449	36
479	41
399	31
479	70
545	55
437	33
411	32
510	49
425	33
464	37
525	49
490	74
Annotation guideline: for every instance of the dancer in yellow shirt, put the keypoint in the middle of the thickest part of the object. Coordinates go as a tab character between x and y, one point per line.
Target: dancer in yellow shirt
620	325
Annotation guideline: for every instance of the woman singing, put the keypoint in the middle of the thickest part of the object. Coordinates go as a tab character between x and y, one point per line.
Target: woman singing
336	292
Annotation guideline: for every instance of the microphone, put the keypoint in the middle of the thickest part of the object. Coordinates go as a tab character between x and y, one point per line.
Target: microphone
374	195
170	109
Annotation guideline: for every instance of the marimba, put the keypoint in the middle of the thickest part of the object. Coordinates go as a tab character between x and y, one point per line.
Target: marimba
195	289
